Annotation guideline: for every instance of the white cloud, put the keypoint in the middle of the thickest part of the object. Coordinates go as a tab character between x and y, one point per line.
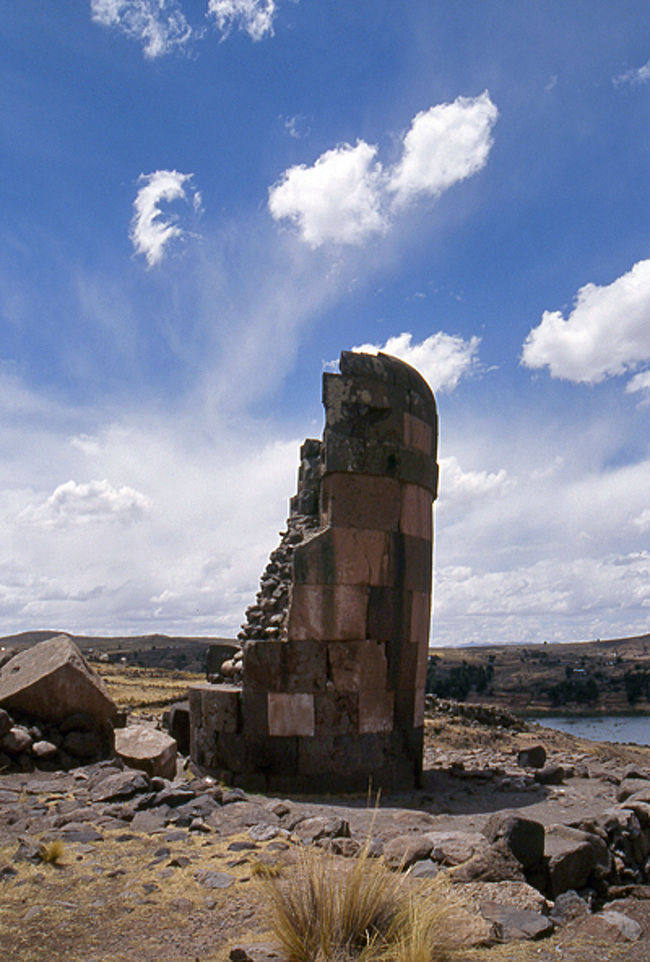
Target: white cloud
442	359
151	231
459	487
606	333
159	25
337	200
95	502
253	16
444	145
347	196
639	75
640	382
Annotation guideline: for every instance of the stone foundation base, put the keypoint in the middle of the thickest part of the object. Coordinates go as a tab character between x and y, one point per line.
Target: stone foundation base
232	742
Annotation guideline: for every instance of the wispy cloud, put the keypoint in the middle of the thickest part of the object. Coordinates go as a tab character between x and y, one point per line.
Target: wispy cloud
442	359
255	17
638	75
347	196
152	230
460	487
159	25
606	334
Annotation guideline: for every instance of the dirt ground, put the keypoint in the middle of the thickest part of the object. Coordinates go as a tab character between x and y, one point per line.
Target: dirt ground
133	896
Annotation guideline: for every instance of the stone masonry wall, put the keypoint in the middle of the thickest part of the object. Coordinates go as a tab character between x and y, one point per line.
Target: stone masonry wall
334	699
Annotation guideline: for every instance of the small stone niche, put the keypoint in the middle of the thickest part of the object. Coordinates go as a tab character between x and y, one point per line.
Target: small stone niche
327	691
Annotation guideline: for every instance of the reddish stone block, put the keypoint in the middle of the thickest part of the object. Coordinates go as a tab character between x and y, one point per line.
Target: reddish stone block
376	711
416	515
417	434
413	562
357	665
291	714
420	622
264	666
358	501
388	612
305	665
404	709
422	665
337	713
344	556
255	719
324	612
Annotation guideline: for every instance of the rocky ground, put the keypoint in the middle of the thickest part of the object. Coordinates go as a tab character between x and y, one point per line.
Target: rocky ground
167	871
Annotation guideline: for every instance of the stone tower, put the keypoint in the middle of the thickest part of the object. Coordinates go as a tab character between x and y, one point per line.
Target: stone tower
332	685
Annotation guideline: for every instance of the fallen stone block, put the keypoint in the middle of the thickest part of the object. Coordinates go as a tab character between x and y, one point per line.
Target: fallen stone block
512	923
51	680
147	750
533	756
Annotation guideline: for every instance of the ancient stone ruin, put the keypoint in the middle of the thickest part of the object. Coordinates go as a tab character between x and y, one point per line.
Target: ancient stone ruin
327	692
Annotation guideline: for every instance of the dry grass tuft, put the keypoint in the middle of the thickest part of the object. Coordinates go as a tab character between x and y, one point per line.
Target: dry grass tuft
52	852
360	910
266	870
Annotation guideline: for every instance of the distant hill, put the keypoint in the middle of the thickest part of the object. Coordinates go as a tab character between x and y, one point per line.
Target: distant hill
595	676
148	651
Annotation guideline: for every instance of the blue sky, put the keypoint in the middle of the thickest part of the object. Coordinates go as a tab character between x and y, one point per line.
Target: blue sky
204	201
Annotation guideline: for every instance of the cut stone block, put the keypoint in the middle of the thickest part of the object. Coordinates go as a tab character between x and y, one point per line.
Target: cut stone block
322	612
420	626
336	713
416	515
349	501
52	680
358	665
216	707
417	434
345	556
264	667
147	750
376	711
291	714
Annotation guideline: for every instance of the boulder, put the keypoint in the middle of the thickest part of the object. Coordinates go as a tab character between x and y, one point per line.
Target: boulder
572	857
147	750
5	722
51	680
16	741
405	850
522	836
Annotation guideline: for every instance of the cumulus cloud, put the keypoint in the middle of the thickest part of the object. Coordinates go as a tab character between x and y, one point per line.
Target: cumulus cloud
442	359
95	502
152	230
159	25
444	145
346	196
606	334
460	487
639	75
338	199
255	17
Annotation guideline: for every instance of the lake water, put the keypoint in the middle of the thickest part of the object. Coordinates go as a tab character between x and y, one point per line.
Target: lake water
601	728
